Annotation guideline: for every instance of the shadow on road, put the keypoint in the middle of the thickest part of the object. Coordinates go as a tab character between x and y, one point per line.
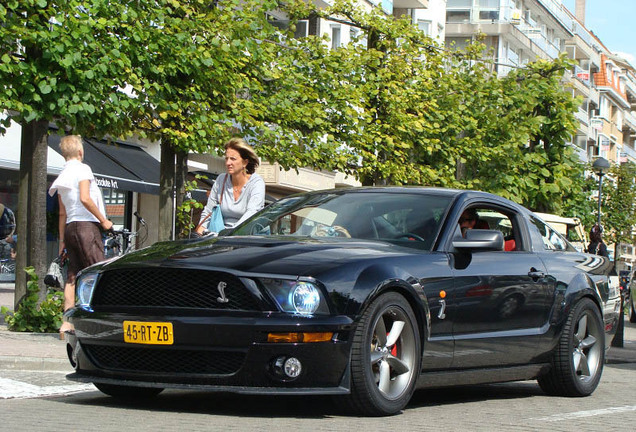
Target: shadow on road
315	407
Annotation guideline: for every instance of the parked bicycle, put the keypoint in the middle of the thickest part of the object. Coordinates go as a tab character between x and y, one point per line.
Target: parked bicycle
7	265
120	242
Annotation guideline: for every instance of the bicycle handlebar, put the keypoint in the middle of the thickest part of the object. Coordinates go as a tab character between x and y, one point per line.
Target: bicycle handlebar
123	232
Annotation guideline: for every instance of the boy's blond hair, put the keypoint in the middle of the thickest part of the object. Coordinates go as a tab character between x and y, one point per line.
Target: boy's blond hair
70	145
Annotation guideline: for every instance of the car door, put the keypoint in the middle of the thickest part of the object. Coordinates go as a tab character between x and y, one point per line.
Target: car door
500	299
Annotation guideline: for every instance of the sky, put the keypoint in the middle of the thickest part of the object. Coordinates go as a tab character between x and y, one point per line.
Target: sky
612	21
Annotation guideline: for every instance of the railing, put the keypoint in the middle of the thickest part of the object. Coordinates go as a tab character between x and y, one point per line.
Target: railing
630	119
629	152
630	83
557	11
585	35
582	116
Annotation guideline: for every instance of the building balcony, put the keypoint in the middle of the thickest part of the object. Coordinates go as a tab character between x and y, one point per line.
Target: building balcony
581	87
582	116
556	11
506	30
629	153
630	87
412	4
629	121
305	179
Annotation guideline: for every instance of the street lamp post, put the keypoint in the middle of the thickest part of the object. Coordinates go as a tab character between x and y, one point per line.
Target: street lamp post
601	166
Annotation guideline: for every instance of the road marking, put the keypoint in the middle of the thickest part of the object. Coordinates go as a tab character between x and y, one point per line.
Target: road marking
12	389
589	413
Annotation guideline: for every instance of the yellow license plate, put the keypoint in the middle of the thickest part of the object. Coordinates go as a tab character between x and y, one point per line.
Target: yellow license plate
151	333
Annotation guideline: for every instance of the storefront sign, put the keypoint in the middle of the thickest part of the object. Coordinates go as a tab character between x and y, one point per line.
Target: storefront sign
106	183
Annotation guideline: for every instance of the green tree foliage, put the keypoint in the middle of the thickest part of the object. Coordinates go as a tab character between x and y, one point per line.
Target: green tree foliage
61	62
403	110
619	204
64	62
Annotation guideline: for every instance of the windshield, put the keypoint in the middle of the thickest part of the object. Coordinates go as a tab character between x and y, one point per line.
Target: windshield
410	218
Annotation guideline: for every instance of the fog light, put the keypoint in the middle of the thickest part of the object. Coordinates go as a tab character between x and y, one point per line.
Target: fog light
292	367
287	367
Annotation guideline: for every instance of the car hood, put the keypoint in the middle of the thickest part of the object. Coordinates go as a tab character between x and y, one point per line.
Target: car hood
264	255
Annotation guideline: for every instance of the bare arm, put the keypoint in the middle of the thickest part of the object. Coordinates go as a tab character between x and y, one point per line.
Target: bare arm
87	201
61	223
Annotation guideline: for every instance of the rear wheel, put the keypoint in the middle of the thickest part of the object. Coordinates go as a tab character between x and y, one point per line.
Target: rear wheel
577	363
385	358
128	392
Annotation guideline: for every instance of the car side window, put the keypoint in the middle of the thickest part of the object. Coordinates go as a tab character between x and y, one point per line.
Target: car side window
552	240
491	219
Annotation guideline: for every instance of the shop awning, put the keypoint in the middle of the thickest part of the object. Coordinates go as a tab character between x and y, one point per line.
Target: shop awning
120	166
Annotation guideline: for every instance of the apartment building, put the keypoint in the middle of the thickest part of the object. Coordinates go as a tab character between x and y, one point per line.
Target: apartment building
520	31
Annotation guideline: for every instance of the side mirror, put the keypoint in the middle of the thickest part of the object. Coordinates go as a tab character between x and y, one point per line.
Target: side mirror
477	239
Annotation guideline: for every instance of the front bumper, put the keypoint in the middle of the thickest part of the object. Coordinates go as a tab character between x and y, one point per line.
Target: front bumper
227	353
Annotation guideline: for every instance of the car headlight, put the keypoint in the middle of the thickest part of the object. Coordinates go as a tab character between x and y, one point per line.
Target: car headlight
298	297
85	286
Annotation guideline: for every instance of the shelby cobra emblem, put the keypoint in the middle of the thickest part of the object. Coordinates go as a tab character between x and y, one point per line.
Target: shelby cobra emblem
221	287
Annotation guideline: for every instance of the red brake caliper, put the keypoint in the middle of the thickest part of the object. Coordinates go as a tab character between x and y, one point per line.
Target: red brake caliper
394	349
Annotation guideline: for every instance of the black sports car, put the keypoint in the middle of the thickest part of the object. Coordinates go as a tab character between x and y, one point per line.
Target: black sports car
365	294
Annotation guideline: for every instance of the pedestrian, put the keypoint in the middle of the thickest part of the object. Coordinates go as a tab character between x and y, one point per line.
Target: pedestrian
81	214
597	246
239	192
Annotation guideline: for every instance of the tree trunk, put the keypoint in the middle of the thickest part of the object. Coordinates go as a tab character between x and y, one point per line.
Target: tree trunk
31	229
181	173
166	192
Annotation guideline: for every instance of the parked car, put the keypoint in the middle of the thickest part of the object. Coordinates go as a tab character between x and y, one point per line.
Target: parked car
631	299
569	227
365	294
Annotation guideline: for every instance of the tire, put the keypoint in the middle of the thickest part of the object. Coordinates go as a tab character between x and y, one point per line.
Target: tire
632	314
385	357
128	392
577	362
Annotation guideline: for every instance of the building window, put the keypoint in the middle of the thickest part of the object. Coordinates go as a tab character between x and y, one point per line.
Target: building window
302	29
335	36
459	3
457	16
488	15
115	203
425	26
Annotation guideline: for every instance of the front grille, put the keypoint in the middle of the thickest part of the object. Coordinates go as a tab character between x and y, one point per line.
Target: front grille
174	288
128	359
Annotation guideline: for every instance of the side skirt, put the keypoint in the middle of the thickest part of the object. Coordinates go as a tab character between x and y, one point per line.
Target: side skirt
481	376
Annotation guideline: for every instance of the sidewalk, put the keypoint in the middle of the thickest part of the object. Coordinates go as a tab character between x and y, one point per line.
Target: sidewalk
46	352
29	351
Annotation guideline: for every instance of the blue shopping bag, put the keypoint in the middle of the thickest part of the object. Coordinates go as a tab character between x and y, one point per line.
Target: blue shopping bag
216	220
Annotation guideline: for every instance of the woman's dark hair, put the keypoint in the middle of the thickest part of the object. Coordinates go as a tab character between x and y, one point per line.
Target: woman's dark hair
596	233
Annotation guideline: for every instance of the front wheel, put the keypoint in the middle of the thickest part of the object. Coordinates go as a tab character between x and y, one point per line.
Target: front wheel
577	362
128	392
385	358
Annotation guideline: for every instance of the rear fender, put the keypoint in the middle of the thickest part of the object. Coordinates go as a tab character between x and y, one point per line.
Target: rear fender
566	296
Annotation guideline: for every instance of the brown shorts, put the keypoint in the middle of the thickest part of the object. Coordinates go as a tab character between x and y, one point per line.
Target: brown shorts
84	246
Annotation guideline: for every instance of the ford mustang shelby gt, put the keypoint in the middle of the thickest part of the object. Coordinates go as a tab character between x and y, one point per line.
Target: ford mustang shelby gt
365	294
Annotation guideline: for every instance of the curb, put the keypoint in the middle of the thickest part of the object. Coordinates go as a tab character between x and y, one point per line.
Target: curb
35	364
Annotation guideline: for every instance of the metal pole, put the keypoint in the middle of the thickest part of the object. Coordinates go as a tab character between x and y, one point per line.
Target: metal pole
600	197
